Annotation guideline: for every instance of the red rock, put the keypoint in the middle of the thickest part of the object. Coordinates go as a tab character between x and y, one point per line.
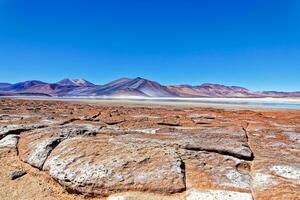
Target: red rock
101	166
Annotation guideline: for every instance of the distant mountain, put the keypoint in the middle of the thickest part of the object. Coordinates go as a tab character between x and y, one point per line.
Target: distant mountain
129	87
75	82
4	85
23	85
138	85
211	90
51	89
280	94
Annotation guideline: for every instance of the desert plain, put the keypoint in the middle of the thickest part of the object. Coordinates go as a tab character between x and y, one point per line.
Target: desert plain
63	150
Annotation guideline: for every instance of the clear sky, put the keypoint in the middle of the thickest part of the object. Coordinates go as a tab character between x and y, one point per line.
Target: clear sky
251	43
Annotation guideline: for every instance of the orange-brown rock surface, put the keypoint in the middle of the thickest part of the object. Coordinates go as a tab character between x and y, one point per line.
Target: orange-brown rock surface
138	152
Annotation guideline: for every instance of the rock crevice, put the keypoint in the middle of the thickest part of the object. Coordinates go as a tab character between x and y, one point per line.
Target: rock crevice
222	152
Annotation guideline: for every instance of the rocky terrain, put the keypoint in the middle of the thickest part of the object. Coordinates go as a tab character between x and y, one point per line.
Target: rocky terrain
68	150
131	87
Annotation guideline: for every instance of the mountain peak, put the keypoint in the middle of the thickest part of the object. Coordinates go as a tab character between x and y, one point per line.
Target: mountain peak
139	78
75	82
82	82
65	81
143	80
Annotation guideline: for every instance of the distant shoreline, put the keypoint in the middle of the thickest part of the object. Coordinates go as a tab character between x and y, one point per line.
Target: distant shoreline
231	99
240	103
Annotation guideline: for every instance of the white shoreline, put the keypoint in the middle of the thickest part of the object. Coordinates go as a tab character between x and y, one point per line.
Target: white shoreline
179	99
224	103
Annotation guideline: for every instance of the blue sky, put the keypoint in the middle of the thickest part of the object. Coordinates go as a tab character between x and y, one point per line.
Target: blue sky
251	43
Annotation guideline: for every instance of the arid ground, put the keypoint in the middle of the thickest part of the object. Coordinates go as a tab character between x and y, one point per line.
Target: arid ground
61	150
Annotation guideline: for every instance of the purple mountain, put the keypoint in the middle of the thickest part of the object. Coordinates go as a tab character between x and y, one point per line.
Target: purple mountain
126	87
212	90
137	87
23	85
4	85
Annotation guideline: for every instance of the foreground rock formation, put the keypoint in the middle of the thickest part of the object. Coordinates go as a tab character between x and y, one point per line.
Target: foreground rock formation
120	152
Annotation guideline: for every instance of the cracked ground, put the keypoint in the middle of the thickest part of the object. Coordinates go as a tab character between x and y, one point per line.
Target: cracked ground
75	150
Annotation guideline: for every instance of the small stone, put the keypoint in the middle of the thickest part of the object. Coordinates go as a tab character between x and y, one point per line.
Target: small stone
17	174
201	121
243	167
205	116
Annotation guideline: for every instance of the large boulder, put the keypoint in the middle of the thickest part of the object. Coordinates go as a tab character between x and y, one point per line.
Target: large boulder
101	166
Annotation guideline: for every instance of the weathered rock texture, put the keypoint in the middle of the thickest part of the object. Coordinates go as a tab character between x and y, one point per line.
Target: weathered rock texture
107	166
124	152
35	146
9	141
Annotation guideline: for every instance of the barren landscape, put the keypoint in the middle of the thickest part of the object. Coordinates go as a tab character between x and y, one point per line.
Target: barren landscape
149	100
87	150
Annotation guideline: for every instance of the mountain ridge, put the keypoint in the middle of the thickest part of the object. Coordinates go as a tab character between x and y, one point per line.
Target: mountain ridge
136	87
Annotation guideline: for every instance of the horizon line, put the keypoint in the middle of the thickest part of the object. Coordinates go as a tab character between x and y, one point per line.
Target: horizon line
179	84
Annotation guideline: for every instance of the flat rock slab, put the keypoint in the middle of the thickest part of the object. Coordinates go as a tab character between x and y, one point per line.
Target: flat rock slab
9	141
276	168
204	116
35	146
272	178
202	121
13	129
221	172
107	167
228	140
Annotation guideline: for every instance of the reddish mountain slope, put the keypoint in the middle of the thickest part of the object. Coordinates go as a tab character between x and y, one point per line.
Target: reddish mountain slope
132	87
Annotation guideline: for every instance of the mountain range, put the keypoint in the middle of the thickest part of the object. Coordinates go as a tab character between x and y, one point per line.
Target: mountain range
131	87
